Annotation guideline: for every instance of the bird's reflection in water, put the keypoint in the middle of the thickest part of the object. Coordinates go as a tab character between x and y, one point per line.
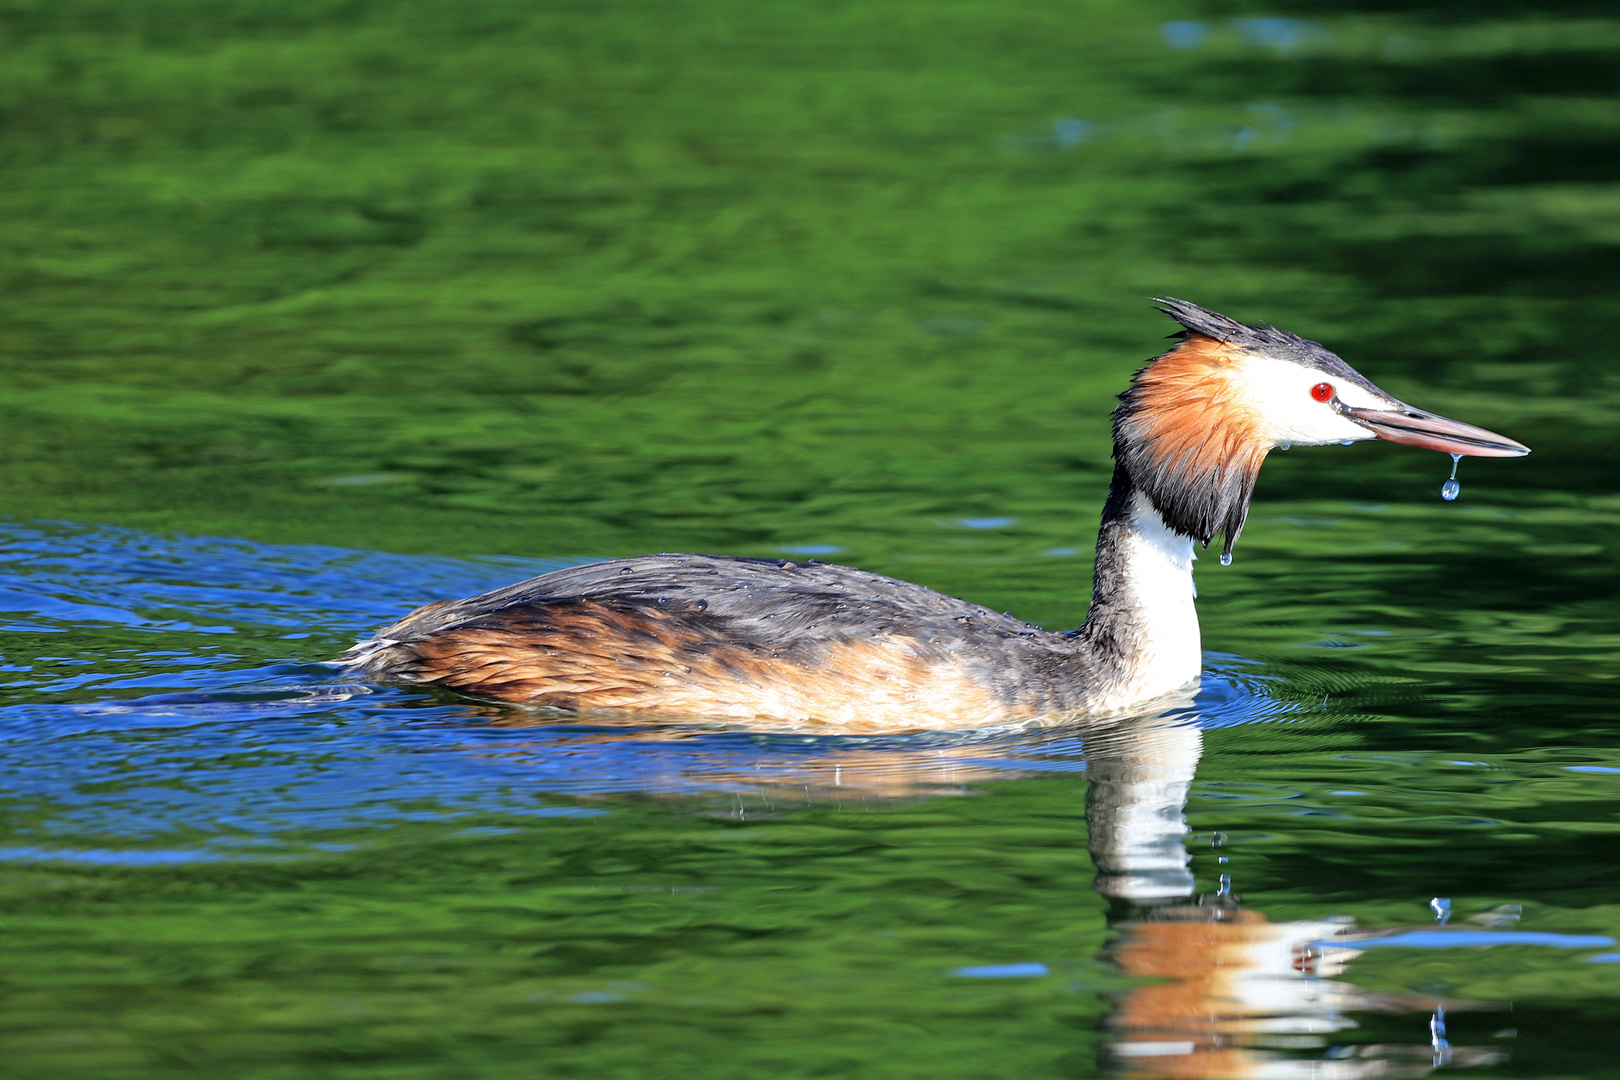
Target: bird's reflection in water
1226	994
1235	995
762	772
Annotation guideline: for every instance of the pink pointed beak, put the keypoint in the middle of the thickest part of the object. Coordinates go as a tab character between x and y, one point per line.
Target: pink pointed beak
1414	427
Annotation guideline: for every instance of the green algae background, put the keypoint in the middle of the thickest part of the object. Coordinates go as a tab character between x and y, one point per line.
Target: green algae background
551	278
851	280
588	280
553	952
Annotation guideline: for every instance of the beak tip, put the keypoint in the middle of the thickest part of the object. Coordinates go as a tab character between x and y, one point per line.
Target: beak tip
1508	450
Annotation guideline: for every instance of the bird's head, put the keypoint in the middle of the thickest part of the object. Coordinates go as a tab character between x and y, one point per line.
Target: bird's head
1196	423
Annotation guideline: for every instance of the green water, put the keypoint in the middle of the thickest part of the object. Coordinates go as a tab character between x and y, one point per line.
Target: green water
410	300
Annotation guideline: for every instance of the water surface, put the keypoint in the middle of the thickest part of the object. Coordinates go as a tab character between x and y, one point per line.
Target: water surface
317	311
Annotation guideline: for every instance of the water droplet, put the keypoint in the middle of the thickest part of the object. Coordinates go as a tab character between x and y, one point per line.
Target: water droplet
1286	446
1225	886
1348	442
1450	489
1437	1037
1223	859
1226	558
1441	906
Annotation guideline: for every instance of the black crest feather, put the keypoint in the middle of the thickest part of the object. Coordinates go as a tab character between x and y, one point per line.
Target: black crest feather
1265	338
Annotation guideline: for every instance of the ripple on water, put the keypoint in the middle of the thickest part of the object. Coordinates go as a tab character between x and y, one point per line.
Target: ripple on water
183	727
223	734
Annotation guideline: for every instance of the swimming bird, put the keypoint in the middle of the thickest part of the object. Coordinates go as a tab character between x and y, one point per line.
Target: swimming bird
807	645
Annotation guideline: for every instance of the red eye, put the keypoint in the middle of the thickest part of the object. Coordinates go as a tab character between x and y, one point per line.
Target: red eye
1322	391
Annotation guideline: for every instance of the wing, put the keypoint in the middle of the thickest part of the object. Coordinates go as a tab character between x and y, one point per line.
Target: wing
761	600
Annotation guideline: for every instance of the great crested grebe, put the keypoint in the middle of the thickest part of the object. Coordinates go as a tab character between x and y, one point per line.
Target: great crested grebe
809	645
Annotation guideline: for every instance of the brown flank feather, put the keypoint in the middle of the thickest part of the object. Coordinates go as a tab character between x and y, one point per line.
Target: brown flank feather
586	655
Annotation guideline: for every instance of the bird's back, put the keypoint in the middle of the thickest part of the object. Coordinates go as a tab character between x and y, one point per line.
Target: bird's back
803	642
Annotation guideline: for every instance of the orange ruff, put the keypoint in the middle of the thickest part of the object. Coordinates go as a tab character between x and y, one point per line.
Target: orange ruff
585	655
1192	416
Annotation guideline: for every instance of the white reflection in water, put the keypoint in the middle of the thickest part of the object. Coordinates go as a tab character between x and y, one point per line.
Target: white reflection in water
1236	995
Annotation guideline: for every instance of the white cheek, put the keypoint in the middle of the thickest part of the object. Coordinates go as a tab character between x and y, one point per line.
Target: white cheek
1281	393
1352	394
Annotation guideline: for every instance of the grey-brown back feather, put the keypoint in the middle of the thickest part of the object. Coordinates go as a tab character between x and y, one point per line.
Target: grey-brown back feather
782	607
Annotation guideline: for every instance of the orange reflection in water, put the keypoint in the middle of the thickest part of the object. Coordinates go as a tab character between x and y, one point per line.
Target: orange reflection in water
1244	997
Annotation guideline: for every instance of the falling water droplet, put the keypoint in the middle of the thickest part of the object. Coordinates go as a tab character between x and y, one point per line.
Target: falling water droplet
1226	558
1286	446
1441	906
1224	887
1450	489
1437	1037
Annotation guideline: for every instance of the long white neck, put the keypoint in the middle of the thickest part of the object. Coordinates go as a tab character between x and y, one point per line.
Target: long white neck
1142	631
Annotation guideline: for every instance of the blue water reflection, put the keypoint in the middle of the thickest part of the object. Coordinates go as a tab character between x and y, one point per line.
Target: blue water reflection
180	717
217	739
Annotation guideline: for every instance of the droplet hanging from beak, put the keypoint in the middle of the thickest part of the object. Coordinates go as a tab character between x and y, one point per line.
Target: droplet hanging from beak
1450	489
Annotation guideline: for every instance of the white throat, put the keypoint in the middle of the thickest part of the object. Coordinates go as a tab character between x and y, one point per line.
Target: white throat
1166	650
